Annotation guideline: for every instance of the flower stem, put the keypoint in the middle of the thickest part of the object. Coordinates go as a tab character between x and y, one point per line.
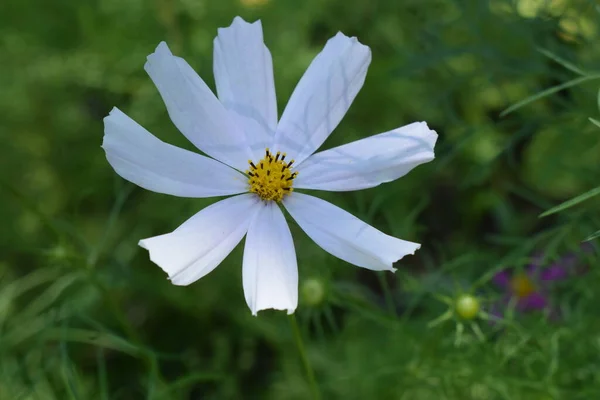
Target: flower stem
300	344
387	293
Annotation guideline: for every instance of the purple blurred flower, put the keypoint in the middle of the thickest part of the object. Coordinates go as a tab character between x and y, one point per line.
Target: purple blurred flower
530	287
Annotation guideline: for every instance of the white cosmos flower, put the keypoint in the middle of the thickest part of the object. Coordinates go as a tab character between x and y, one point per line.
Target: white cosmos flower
250	157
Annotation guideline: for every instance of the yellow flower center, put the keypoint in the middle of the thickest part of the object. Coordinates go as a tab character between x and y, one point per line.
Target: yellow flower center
521	285
271	178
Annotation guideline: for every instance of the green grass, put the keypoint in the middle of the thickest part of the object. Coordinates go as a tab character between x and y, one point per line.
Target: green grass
512	88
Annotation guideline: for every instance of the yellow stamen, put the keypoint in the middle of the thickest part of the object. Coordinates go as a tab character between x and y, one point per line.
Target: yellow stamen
521	285
271	178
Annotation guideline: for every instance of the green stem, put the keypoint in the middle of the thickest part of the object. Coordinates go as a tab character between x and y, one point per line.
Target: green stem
548	92
387	293
300	344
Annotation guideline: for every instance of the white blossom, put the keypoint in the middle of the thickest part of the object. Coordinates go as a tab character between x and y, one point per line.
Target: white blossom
261	161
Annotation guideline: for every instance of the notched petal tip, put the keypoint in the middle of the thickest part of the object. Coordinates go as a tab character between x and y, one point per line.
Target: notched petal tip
177	282
398	257
417	247
349	40
112	118
143	245
430	137
239	26
342	35
430	133
410	251
161	50
112	114
163	47
239	21
113	111
170	277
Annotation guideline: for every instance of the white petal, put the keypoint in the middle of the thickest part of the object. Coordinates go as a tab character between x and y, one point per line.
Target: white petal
345	236
143	159
195	110
270	271
322	97
368	162
203	241
244	76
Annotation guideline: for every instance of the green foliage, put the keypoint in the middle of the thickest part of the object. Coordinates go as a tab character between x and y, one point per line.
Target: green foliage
572	202
84	314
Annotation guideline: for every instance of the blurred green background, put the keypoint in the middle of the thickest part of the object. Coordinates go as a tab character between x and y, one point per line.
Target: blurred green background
84	314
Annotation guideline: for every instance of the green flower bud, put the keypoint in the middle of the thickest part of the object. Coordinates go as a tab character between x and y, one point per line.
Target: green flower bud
313	291
467	306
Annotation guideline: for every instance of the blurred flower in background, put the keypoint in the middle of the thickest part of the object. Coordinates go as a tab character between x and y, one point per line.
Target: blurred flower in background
530	288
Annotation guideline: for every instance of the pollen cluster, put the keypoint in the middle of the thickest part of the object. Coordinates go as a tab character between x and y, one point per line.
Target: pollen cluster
271	178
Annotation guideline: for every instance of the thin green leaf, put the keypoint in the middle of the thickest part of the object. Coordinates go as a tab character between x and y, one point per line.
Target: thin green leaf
595	121
96	250
592	236
95	338
442	318
188	381
548	92
68	375
57	227
10	292
568	65
102	374
29	328
48	297
570	203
